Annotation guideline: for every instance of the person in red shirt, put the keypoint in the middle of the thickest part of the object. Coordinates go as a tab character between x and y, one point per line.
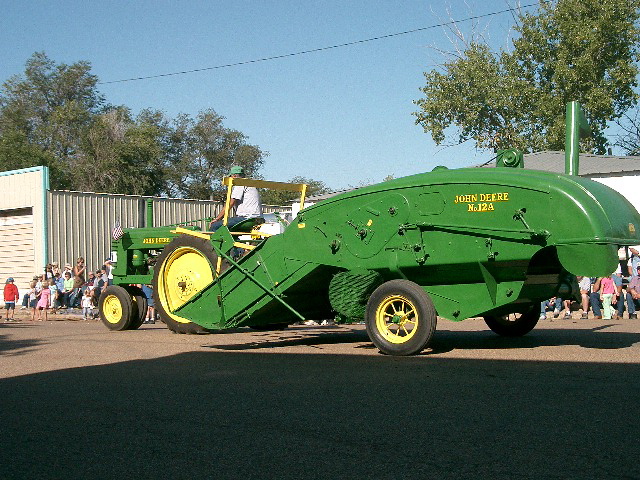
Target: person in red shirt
11	296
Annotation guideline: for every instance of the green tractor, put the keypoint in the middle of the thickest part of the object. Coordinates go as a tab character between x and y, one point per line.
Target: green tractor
449	244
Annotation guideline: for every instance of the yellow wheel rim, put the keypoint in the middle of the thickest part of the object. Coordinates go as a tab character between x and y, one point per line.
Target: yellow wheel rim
112	309
397	319
184	273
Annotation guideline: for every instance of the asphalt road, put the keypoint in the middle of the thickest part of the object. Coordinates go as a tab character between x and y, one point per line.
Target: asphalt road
78	401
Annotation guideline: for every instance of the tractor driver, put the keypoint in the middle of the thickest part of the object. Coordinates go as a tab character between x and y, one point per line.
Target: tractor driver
245	199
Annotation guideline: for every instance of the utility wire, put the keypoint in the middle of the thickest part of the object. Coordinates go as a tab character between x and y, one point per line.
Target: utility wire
320	49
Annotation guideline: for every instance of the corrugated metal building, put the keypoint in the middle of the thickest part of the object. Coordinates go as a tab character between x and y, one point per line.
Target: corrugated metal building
40	226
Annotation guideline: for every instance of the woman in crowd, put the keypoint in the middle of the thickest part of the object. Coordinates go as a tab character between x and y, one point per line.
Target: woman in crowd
66	290
78	282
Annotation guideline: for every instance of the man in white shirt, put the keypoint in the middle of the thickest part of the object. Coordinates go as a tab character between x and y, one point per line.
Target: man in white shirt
246	200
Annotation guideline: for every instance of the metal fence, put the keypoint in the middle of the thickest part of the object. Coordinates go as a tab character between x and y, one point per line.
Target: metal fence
80	224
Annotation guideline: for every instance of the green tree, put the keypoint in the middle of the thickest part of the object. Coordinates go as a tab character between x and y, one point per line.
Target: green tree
583	50
54	116
44	113
120	155
200	152
282	197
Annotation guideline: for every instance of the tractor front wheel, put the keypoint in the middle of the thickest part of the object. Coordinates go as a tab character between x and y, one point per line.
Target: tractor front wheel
400	318
115	306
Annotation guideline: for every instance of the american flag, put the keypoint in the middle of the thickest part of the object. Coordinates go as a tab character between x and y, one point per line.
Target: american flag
117	231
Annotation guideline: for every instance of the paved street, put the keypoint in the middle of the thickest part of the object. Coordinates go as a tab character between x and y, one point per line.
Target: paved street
79	401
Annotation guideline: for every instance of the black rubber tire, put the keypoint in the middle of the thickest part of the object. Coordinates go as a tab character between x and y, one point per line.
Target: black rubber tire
394	294
269	327
514	324
115	306
139	310
204	248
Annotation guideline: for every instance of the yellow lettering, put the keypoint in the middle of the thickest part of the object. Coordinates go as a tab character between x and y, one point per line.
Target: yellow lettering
481	202
155	240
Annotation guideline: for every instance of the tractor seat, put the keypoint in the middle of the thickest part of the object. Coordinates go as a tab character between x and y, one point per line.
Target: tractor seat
247	225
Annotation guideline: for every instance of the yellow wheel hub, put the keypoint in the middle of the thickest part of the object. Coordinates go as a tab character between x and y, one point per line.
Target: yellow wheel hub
397	319
184	273
112	309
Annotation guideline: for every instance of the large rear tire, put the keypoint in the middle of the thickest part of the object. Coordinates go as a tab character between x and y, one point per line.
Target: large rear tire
513	324
400	318
115	306
185	267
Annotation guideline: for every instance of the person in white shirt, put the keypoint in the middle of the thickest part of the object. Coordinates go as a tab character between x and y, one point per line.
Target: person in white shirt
246	200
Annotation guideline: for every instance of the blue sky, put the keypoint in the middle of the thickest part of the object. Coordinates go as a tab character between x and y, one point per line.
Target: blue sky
342	116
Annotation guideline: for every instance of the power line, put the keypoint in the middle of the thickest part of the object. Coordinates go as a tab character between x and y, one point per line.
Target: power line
320	49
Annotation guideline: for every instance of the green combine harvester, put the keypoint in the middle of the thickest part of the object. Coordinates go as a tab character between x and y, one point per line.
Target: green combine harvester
453	244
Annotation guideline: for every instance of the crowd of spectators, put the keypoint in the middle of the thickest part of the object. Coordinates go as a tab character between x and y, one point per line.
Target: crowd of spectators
606	297
62	289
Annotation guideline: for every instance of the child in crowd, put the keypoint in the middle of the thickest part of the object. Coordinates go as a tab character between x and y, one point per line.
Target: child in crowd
11	297
44	302
53	288
608	293
86	304
33	299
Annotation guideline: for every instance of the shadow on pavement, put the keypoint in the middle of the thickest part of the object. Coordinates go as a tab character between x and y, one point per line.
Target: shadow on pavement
443	341
296	338
224	415
446	341
10	346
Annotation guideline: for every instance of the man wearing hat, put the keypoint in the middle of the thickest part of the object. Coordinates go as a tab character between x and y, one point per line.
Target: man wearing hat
246	200
11	296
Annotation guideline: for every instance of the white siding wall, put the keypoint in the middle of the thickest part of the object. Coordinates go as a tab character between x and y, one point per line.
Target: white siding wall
629	186
22	224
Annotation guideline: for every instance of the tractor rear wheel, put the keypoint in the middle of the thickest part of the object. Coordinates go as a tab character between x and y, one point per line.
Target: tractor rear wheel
185	267
513	324
115	306
400	318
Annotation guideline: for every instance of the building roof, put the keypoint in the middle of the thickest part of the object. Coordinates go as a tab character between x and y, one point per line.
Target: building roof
590	165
